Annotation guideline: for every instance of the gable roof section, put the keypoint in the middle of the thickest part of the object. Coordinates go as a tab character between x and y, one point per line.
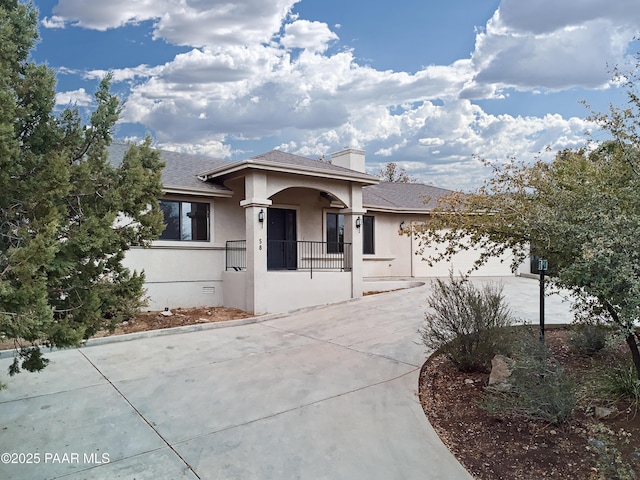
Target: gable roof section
401	197
180	174
279	161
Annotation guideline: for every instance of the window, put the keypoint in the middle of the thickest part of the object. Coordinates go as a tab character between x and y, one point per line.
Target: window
187	221
368	235
335	233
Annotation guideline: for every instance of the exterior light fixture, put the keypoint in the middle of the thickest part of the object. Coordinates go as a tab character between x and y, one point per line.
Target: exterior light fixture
261	215
402	225
358	223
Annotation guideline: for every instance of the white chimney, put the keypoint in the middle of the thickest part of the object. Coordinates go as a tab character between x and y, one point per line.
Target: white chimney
349	158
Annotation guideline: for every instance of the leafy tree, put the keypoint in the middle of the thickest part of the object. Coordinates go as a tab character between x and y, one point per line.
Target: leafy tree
394	174
581	212
67	215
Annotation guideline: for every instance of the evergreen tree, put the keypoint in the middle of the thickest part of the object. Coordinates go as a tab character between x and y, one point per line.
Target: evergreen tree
67	215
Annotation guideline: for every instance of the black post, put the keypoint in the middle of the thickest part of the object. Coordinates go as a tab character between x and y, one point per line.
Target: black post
542	306
542	267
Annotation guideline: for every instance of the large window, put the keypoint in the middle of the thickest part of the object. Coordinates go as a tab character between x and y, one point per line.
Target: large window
368	235
185	221
335	233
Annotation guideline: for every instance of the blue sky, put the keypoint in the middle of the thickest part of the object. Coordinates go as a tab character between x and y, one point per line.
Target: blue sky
429	85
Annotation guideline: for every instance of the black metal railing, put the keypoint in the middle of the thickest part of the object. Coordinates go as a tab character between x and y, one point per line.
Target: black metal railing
308	256
304	255
236	255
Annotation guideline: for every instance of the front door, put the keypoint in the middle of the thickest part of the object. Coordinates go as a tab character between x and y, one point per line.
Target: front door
281	239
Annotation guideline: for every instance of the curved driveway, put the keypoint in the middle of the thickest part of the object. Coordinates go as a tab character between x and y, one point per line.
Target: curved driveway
327	393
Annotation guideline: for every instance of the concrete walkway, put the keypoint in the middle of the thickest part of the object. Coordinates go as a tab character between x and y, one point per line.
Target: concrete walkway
327	393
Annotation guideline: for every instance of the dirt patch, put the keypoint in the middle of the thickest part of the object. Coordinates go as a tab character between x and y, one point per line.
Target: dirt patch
491	448
179	317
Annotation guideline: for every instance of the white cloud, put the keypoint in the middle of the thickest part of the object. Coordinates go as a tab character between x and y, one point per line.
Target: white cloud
78	97
211	148
198	23
552	45
548	16
53	22
257	72
314	36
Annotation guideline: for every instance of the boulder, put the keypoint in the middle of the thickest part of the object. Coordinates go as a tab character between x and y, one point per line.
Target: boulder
500	372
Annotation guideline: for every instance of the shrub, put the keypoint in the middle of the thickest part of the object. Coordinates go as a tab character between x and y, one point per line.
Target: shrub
539	387
621	382
588	339
467	324
611	464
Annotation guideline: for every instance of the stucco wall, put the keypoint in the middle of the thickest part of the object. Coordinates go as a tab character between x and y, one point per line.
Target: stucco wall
179	277
395	254
234	289
182	273
292	290
392	257
229	216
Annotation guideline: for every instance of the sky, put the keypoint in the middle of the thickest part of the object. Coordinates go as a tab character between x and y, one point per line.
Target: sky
434	86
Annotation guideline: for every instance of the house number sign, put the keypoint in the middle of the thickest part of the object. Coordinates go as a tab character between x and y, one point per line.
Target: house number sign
259	244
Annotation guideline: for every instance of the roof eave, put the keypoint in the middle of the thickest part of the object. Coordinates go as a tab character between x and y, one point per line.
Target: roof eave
358	177
196	191
414	211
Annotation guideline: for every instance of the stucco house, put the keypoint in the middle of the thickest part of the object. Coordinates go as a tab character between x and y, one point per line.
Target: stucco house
278	231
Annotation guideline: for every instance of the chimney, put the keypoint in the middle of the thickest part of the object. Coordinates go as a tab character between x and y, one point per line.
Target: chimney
349	158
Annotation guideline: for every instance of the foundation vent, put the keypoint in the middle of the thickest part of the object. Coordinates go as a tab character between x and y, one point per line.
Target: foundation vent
209	290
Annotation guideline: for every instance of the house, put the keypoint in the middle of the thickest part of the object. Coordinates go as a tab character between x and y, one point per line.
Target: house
278	231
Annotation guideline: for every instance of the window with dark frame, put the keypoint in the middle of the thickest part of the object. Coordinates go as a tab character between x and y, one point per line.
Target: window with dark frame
368	235
185	221
335	233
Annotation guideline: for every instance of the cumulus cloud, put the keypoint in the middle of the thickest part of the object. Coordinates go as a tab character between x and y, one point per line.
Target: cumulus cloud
553	45
78	97
548	16
53	22
255	72
197	23
313	36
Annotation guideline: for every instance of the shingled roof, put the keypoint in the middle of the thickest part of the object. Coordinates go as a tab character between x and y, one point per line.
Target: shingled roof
401	197
181	170
184	173
279	161
284	158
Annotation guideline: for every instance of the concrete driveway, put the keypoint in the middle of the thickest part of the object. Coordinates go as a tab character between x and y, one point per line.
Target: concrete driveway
327	393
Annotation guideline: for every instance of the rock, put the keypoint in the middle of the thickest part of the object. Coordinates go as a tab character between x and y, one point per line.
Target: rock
166	313
500	371
596	444
468	381
604	412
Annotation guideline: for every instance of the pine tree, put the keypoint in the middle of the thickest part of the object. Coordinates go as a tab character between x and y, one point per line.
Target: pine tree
67	215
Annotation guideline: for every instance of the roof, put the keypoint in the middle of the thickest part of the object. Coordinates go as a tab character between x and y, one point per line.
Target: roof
180	174
280	161
401	197
200	174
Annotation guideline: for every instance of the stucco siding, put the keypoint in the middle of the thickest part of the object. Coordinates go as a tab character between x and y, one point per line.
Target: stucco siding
179	277
287	291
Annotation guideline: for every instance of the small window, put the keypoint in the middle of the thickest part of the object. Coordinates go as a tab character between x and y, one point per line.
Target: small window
335	233
368	235
185	221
